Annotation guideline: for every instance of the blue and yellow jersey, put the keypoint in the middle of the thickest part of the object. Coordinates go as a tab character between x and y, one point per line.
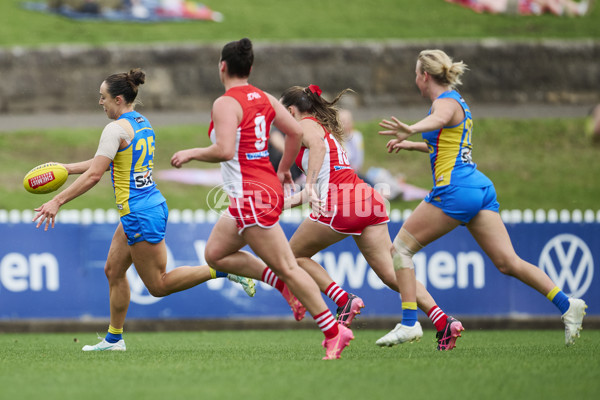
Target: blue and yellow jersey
450	151
131	169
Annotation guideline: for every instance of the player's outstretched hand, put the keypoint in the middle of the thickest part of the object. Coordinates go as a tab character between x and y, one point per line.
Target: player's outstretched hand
46	213
395	127
397	145
180	158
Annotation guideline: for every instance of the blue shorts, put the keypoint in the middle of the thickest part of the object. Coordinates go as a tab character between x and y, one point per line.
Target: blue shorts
463	203
146	225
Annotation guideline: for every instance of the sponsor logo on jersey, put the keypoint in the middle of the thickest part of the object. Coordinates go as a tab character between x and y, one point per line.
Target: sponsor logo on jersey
340	167
253	96
143	179
257	155
465	155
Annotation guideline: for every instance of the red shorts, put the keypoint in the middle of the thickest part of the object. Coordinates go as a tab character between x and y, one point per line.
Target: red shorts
352	218
248	211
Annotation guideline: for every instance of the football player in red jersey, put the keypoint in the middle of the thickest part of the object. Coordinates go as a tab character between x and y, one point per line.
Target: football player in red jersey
239	131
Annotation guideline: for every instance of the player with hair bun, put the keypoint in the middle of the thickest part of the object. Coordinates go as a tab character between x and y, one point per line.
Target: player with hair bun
239	132
127	147
461	194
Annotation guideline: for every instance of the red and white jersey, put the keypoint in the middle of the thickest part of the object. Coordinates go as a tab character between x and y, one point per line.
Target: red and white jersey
250	173
337	183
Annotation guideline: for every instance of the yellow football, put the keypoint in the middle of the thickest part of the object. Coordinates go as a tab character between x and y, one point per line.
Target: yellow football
45	178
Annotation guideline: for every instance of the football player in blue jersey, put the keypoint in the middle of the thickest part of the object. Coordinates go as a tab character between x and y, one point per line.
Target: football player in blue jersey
461	194
126	148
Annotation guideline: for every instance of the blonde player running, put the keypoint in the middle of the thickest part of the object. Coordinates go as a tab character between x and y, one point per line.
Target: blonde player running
461	194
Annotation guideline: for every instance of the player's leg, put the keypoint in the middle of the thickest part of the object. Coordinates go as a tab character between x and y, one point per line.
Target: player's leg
428	223
490	233
118	262
272	247
424	225
150	260
310	238
448	328
374	247
372	244
223	253
145	232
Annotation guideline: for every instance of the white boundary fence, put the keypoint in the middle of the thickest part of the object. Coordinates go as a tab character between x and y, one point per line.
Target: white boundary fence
99	216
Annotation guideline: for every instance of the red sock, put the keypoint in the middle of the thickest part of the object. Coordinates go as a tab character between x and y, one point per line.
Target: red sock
438	317
327	324
269	277
337	294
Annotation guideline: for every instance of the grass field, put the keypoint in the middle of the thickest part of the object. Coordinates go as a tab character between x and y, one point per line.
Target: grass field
315	20
287	365
533	163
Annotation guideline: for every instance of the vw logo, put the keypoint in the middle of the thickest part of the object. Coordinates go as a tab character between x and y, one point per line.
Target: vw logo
569	263
139	293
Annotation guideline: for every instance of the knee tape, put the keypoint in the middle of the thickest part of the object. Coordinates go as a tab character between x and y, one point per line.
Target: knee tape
405	247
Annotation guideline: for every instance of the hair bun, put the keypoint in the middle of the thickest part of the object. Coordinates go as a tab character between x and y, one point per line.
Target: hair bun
245	45
137	76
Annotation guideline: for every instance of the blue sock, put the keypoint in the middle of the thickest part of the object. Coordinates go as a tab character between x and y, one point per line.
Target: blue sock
113	337
561	301
409	313
216	274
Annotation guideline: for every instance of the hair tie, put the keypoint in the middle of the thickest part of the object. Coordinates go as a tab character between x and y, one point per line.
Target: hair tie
315	89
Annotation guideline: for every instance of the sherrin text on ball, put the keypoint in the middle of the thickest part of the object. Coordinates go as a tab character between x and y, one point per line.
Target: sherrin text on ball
45	178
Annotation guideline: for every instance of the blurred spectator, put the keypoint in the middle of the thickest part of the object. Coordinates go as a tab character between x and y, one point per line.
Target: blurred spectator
389	185
569	8
354	144
185	9
137	9
86	6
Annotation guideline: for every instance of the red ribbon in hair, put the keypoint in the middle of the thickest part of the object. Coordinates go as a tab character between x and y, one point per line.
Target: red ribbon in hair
315	89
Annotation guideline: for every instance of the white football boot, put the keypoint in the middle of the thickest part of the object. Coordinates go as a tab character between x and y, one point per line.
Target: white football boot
106	346
400	334
573	318
247	283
